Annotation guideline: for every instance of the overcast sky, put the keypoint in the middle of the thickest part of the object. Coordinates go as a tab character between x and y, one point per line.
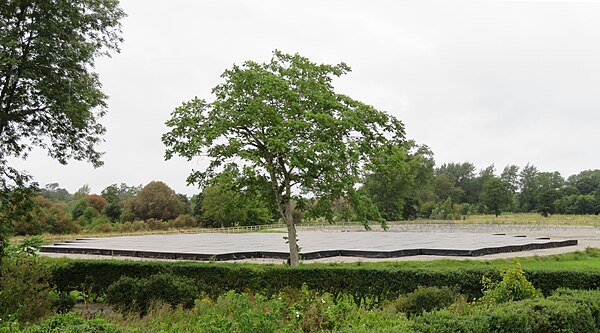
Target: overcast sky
489	82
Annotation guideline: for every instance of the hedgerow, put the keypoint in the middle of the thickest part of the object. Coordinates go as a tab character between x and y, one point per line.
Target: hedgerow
358	281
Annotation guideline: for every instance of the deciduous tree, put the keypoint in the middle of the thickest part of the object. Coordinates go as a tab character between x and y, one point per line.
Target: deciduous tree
49	95
496	195
284	119
158	201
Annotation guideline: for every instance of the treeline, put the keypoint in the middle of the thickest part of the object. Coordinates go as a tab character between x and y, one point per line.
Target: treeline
403	185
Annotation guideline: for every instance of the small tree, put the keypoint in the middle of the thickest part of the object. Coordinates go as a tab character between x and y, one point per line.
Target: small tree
284	119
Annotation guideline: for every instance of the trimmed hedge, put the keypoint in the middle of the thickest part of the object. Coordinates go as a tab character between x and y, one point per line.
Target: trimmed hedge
359	281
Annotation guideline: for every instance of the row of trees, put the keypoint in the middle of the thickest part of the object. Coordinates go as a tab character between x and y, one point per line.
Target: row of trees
404	185
454	190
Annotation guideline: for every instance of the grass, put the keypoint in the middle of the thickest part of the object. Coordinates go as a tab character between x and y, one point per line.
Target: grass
580	260
576	261
537	219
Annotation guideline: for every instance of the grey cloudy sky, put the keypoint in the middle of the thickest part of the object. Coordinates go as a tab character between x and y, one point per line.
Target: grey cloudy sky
489	82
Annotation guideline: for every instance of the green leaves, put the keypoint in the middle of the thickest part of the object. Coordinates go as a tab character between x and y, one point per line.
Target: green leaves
284	120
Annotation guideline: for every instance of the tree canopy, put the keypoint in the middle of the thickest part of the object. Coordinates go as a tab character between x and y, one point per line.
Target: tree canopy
284	119
49	95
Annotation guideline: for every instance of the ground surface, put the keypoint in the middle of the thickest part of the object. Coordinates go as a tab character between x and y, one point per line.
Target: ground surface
410	236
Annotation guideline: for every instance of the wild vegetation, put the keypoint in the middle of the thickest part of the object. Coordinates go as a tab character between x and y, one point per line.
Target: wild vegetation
174	297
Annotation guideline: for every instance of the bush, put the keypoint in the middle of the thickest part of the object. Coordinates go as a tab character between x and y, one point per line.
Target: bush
156	224
104	227
543	315
72	323
425	299
513	287
137	294
25	293
385	283
139	226
184	221
590	299
445	321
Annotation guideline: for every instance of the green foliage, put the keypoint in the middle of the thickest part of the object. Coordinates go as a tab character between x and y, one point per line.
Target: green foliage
446	210
185	221
578	204
496	195
25	289
381	283
45	216
235	198
70	323
284	120
547	192
157	200
64	302
130	294
28	247
425	299
396	179
49	96
512	287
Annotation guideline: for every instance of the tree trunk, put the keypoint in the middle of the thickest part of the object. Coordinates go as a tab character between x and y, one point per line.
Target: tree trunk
294	253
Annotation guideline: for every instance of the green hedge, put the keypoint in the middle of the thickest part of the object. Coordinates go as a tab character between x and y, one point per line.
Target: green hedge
359	281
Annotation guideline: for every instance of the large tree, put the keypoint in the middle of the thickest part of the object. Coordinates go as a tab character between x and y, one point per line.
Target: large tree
284	119
49	95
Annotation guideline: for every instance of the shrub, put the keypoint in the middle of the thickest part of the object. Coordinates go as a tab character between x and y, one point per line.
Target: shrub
73	323
425	299
139	226
104	227
25	292
137	294
184	221
445	321
156	224
544	315
590	299
513	287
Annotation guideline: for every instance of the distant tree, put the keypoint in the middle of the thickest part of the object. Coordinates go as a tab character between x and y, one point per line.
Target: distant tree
195	205
578	204
528	187
548	185
284	119
96	201
444	187
586	182
510	175
396	178
231	199
46	216
49	96
114	208
111	193
475	186
158	201
496	195
78	207
52	191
